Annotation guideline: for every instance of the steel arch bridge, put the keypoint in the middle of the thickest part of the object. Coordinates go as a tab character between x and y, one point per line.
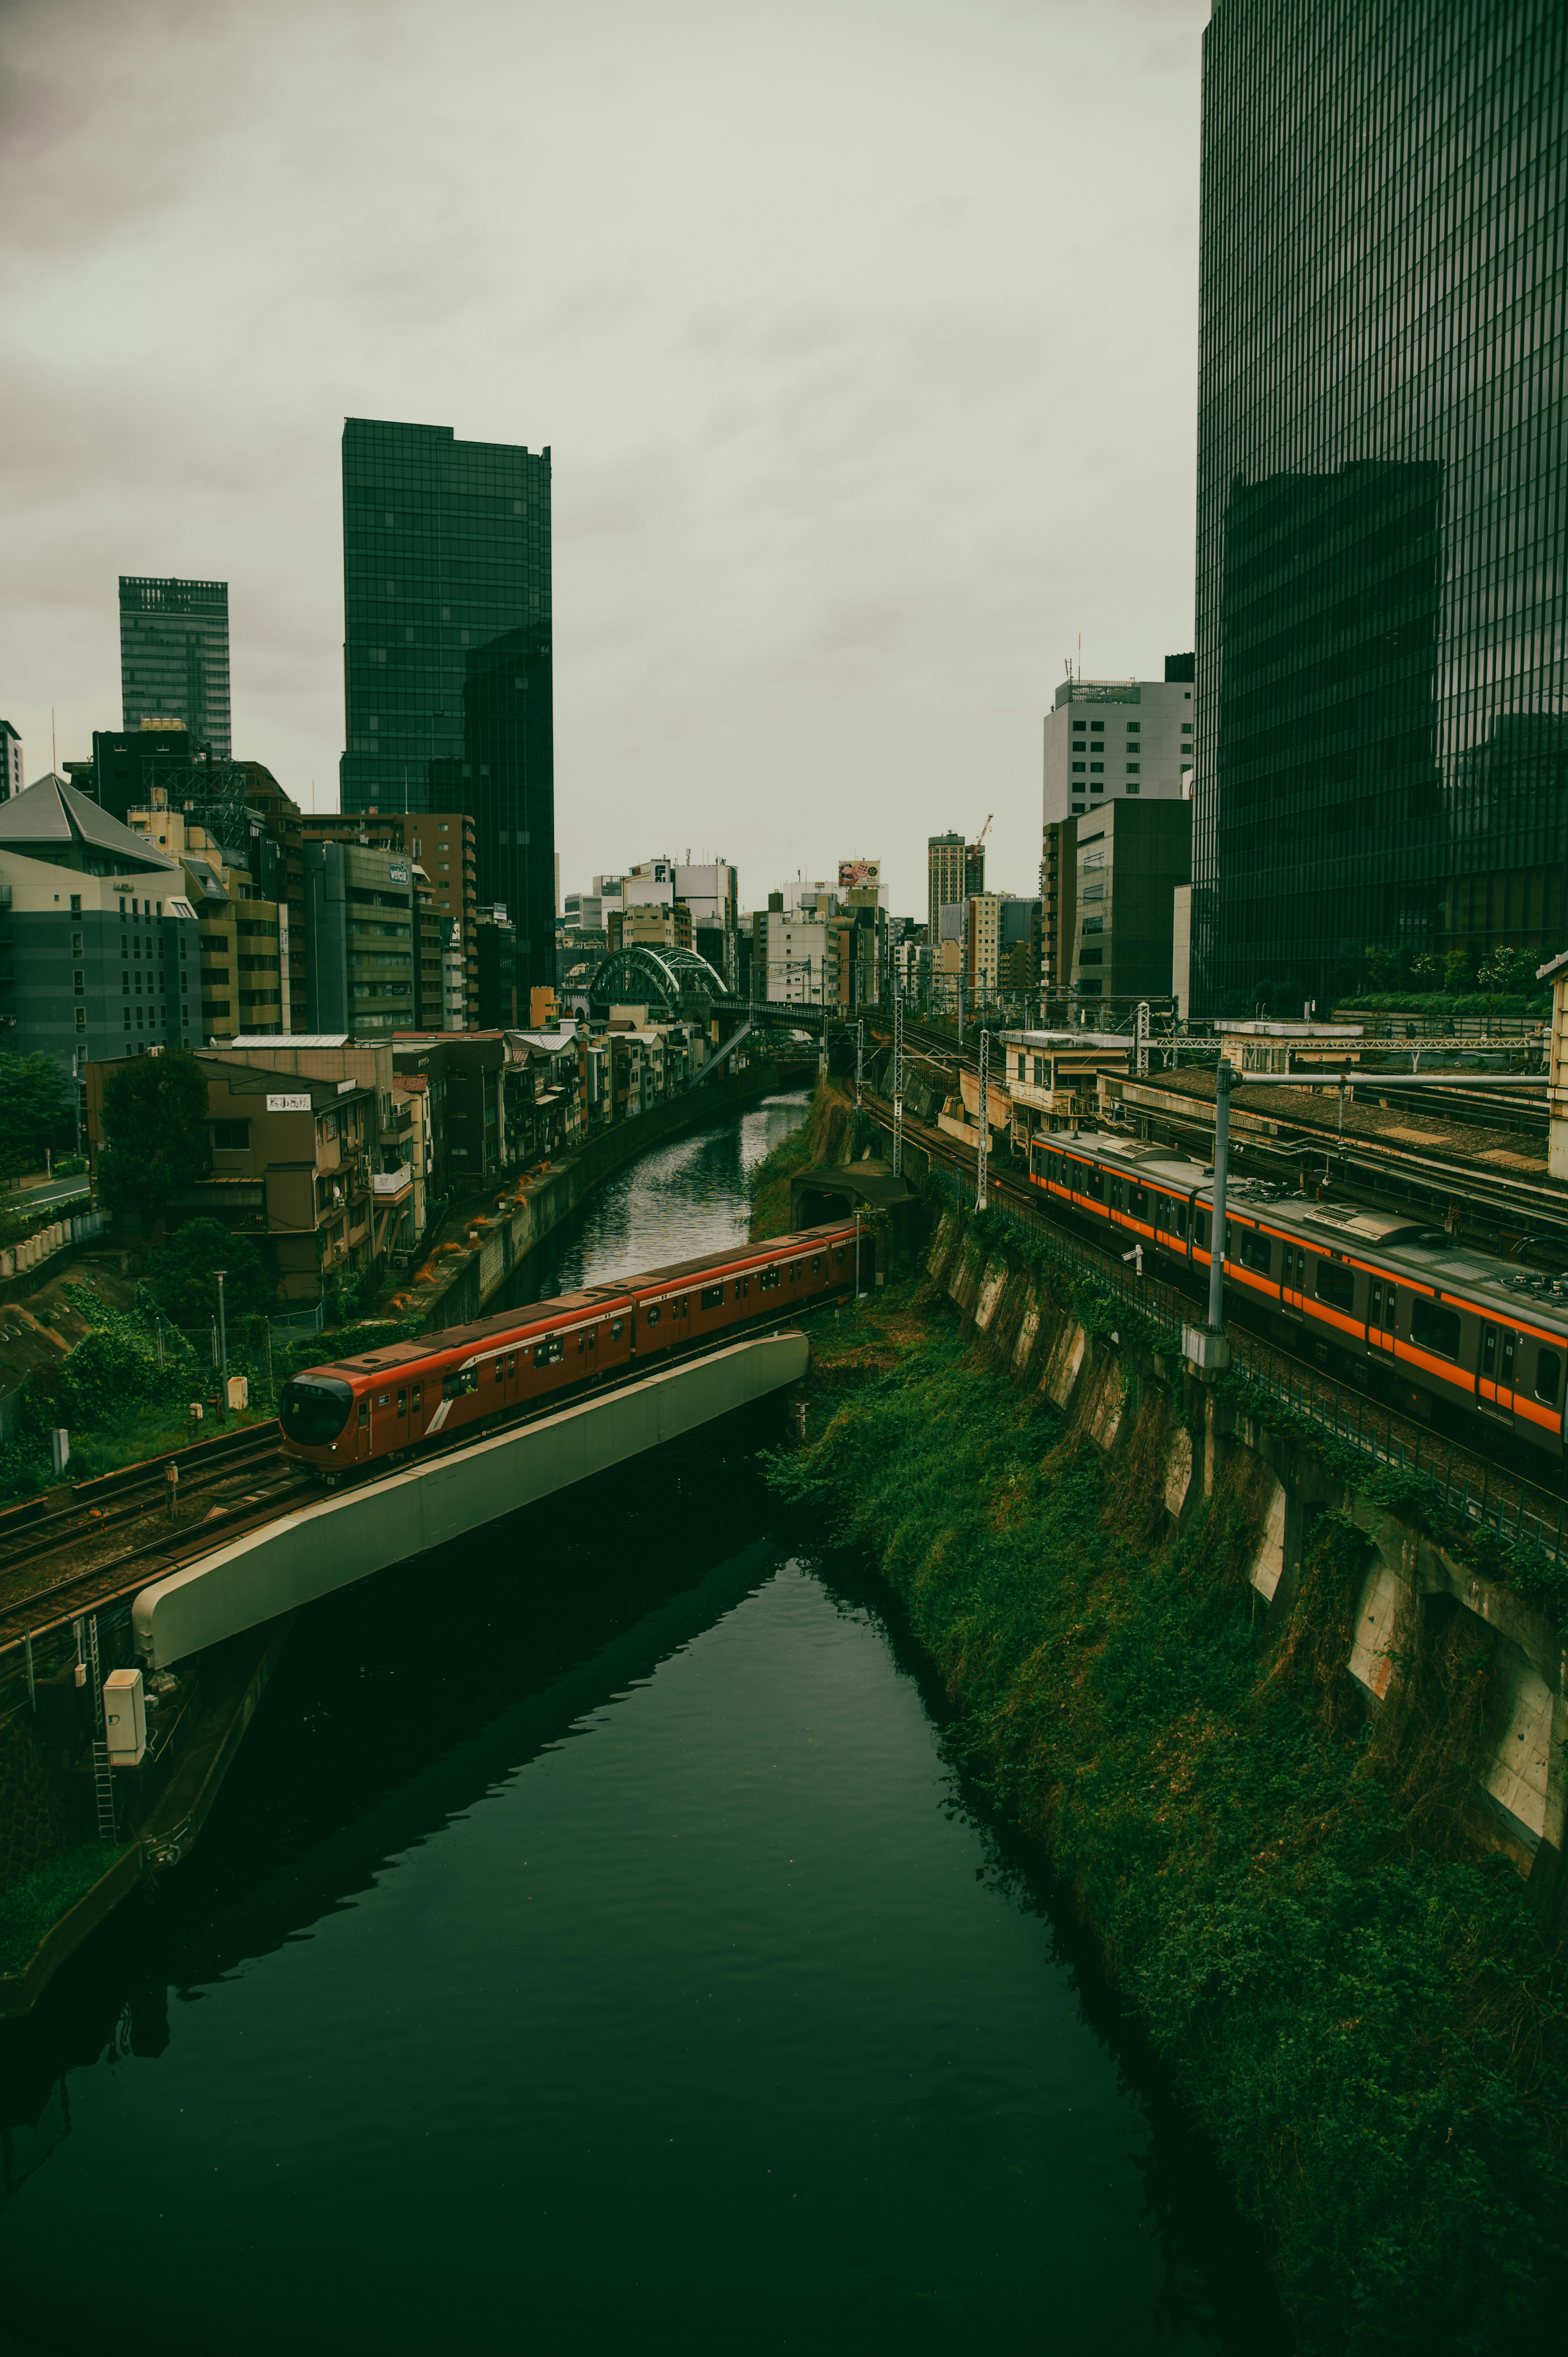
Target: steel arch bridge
659	979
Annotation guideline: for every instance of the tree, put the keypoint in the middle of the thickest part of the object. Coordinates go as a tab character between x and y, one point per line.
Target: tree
1508	971
1459	971
34	1110
156	1139
181	1281
1380	966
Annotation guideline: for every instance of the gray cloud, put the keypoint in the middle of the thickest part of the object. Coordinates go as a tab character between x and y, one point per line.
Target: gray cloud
864	336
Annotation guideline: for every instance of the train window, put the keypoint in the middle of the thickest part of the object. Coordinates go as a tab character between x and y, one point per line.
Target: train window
1256	1251
1375	1307
795	1268
1434	1328
458	1380
768	1280
581	1340
838	1255
1335	1285
1200	1227
1391	1303
403	1402
615	1327
1178	1219
500	1371
713	1296
418	1395
364	1411
653	1315
816	1270
1094	1184
549	1352
1548	1375
1505	1375
1488	1350
511	1365
1138	1202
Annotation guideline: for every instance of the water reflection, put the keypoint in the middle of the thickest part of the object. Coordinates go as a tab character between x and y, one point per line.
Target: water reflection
594	1941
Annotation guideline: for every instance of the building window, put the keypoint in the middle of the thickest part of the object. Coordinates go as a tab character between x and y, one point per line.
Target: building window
1078	766
79	982
76	904
81	1019
231	1136
1135	785
1094	766
1097	785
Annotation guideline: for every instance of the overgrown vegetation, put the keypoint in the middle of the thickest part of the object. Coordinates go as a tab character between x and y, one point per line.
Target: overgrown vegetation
1358	2005
814	1141
156	1138
31	1908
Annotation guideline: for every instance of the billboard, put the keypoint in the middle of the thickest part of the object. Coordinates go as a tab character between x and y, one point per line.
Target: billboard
859	872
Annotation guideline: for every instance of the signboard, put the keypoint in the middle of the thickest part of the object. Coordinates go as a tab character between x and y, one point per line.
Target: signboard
853	872
288	1104
397	873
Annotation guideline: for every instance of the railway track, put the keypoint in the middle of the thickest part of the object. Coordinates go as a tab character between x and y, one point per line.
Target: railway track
1402	1437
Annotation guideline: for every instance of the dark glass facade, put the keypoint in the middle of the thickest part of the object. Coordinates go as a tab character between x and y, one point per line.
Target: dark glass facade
446	656
1383	523
174	656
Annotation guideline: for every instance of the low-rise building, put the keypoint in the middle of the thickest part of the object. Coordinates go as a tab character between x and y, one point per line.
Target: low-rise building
97	938
1267	1047
295	1131
1051	1075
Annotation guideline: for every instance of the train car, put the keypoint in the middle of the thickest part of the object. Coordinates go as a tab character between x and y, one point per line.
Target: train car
1394	1301
382	1406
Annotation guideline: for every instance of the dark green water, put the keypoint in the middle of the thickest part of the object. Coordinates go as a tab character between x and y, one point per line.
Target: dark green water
593	1946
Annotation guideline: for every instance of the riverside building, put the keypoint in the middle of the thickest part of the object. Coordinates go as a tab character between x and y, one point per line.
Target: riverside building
1382	533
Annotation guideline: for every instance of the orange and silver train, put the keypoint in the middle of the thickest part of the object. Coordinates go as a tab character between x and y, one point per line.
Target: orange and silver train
1390	1297
404	1396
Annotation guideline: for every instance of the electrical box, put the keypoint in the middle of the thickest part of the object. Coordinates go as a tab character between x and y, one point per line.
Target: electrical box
239	1393
124	1718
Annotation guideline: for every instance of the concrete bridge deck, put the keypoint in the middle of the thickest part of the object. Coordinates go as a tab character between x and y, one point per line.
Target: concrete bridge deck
346	1535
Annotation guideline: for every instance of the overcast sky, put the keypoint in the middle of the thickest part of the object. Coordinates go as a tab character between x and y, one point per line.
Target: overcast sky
863	333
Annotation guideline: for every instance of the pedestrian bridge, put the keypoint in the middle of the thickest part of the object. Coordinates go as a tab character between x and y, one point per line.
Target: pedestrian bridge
346	1534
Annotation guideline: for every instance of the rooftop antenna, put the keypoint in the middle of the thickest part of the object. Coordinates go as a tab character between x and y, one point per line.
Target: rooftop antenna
1081	658
54	747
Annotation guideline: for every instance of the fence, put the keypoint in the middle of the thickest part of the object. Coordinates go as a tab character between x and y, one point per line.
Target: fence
60	1234
1536	1517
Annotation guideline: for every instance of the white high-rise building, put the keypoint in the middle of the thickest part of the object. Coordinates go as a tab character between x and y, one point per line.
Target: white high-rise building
1108	739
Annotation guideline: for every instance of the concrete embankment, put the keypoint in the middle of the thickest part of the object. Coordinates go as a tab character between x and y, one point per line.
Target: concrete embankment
466	1275
1296	1746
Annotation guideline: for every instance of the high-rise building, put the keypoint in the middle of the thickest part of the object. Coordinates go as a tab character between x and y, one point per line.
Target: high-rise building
1110	737
174	656
447	660
1381	534
10	762
955	870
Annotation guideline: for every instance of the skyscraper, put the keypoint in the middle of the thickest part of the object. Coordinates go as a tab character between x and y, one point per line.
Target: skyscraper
447	658
1382	542
174	656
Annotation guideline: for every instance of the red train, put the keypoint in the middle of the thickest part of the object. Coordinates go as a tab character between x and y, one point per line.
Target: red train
388	1404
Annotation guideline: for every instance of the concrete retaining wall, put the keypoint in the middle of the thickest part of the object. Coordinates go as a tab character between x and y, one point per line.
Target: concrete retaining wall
1100	1382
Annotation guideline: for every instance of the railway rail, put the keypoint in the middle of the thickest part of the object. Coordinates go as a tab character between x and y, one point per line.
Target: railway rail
1488	1488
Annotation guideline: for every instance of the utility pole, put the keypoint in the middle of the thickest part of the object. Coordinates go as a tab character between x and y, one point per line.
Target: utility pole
982	1151
859	1062
961	1006
898	1083
1217	1236
222	1329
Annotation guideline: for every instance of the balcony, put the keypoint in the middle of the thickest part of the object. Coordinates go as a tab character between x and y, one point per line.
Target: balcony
392	1187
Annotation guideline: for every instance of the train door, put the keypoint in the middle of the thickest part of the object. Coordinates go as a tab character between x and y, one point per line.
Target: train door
1494	1375
416	1411
1381	1305
401	1431
587	1352
363	1448
1293	1279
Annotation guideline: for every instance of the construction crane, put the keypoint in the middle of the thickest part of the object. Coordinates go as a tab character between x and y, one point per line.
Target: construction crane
984	831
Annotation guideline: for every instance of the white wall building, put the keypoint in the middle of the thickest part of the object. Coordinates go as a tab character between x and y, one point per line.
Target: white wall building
1106	739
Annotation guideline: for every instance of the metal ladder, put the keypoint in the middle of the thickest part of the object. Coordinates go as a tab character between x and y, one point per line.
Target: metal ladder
102	1773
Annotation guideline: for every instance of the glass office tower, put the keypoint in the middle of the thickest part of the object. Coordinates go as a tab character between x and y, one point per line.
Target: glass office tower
174	656
1383	531
446	663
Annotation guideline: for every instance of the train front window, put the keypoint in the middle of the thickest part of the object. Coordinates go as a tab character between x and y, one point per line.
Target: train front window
314	1409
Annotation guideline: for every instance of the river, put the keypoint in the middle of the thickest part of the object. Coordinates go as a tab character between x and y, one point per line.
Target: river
593	1945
